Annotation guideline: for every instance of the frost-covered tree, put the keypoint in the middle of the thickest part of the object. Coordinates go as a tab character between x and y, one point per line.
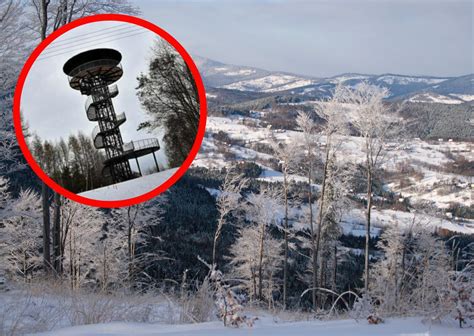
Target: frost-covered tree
169	96
334	178
389	273
4	195
256	254
80	230
254	264
375	125
309	140
13	50
14	44
20	245
460	297
142	221
331	208
413	275
227	201
286	154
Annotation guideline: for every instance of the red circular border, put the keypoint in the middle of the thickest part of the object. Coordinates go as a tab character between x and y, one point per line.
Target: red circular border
130	201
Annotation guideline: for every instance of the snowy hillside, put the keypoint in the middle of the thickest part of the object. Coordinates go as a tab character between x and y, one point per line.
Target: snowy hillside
217	74
131	188
243	78
270	83
391	79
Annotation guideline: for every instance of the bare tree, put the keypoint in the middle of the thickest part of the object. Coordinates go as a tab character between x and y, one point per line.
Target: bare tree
47	16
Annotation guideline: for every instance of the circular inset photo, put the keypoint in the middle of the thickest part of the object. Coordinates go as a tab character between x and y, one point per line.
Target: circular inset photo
110	110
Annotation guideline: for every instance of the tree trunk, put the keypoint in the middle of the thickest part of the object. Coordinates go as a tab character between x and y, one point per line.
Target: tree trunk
43	16
334	272
322	268
71	261
254	281
57	261
105	270
321	204
367	234
129	242
313	247
46	229
220	223
260	263
285	265
43	13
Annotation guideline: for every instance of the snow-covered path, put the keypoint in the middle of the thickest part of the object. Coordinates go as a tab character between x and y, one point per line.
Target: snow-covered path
131	188
392	327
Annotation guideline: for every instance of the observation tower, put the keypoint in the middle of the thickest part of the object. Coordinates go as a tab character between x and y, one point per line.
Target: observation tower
93	73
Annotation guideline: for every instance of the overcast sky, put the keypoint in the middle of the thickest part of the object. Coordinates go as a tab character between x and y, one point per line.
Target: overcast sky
54	110
324	38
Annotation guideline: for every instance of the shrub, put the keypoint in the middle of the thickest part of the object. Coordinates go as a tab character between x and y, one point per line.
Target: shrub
248	169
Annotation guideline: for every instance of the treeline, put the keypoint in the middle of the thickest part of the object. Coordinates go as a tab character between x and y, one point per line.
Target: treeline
433	121
74	164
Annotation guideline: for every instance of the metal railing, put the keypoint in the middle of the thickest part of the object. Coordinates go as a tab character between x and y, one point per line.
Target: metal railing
110	126
141	144
113	92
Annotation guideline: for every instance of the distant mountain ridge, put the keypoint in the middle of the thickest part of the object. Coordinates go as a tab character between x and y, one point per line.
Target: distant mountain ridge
452	90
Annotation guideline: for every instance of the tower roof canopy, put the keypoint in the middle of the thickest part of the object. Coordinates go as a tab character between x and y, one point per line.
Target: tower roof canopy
103	63
112	56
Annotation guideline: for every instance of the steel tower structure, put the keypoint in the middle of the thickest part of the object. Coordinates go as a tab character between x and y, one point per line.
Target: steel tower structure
93	73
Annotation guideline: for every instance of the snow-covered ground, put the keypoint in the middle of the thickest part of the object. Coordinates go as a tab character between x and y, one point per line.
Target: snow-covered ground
131	188
353	221
391	327
47	310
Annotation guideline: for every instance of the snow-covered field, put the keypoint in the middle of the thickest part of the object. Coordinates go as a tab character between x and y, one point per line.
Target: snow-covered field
391	327
416	153
131	188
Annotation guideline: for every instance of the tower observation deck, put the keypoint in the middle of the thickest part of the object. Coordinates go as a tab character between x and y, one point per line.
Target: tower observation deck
93	73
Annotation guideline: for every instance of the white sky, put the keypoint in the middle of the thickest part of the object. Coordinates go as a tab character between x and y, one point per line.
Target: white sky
54	110
325	37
